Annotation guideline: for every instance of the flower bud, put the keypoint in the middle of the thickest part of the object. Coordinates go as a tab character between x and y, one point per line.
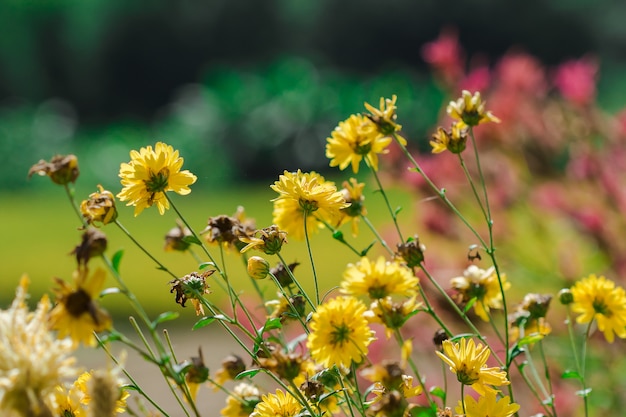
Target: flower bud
566	297
62	169
93	243
411	252
99	208
258	268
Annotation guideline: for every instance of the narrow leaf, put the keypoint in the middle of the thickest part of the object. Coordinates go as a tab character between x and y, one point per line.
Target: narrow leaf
204	321
250	373
438	392
110	290
167	316
584	392
116	259
530	339
571	374
271	324
469	304
205	265
192	239
398	210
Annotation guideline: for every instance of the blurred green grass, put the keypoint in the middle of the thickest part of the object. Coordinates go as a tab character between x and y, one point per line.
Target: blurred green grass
40	230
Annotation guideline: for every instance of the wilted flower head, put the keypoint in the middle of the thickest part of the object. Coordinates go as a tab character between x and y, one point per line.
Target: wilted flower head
287	308
93	243
470	109
228	230
232	365
355	139
62	169
305	196
77	314
269	241
483	286
175	238
99	208
282	274
196	373
33	362
191	287
411	252
454	141
392	314
150	174
242	402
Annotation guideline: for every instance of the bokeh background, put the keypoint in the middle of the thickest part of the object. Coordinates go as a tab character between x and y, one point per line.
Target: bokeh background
246	89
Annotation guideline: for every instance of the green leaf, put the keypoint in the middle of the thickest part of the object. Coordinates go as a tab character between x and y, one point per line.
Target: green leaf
167	316
116	259
515	352
250	373
397	210
130	387
530	339
438	392
192	239
112	336
204	321
108	291
367	249
271	324
584	392
571	374
423	412
205	265
470	304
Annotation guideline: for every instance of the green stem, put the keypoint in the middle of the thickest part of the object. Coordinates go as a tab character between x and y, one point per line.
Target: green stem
391	211
375	232
144	250
295	281
308	247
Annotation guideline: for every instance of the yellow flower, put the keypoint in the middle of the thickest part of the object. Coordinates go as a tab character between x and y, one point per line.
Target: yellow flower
305	196
453	141
353	194
470	109
597	298
77	314
150	174
68	402
339	332
483	286
99	208
242	403
270	242
258	268
33	362
488	406
102	391
379	280
469	362
277	405
355	139
393	315
385	117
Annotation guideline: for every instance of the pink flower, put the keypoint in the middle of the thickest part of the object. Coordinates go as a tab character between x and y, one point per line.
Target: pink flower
522	73
478	79
445	55
576	80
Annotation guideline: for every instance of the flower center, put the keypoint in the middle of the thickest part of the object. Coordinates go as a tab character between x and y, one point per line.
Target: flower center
340	334
377	291
308	206
78	302
158	181
466	375
362	149
600	307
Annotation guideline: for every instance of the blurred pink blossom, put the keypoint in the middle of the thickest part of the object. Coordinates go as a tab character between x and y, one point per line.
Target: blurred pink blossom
522	73
576	80
445	55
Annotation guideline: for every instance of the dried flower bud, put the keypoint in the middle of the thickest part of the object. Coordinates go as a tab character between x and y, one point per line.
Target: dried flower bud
566	297
439	337
282	275
411	252
94	243
191	287
62	169
197	372
312	390
174	239
270	240
99	208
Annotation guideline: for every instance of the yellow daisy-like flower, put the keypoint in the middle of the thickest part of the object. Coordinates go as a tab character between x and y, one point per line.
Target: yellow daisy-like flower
355	139
242	404
468	361
385	117
305	196
453	141
67	402
379	280
353	194
392	314
488	405
470	109
277	405
77	314
483	286
597	298
150	174
340	333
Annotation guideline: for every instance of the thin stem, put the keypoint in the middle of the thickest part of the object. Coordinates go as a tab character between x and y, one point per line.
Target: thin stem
547	375
339	237
144	250
413	366
375	232
474	191
295	281
308	247
391	211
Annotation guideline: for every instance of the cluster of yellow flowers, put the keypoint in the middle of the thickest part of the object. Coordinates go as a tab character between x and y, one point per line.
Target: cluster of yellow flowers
320	371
